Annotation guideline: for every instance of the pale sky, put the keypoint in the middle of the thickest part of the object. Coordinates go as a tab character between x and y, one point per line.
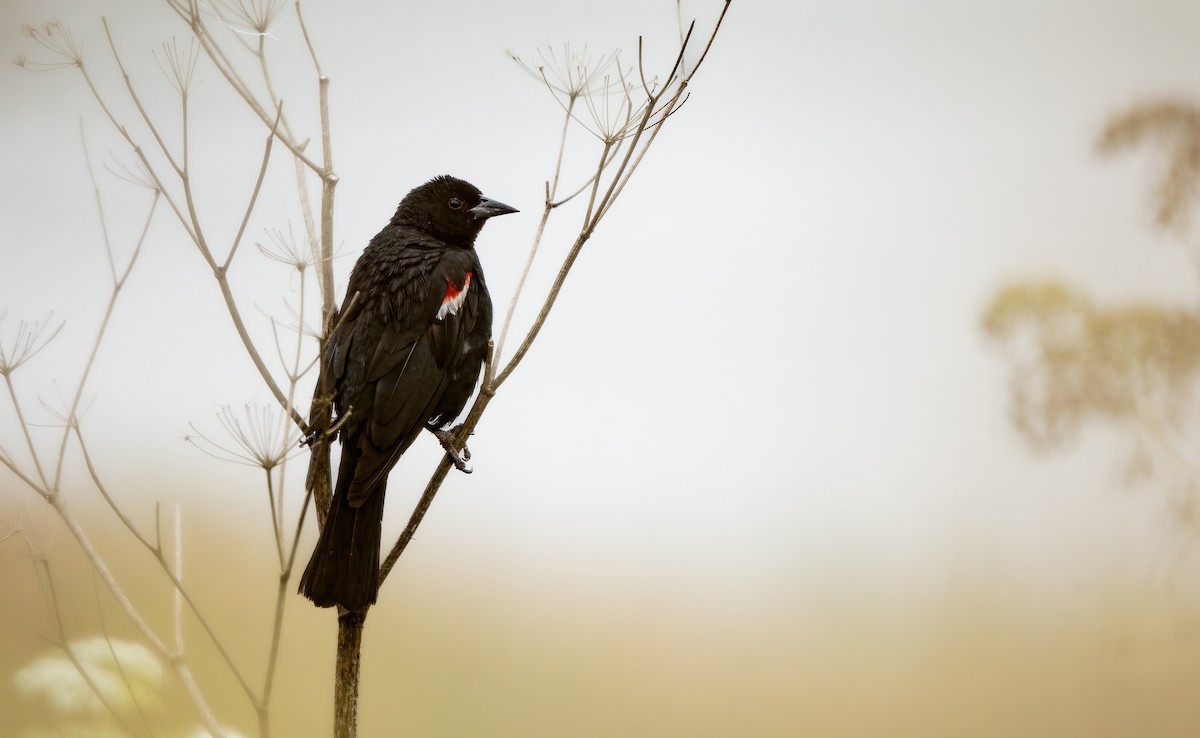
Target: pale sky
766	370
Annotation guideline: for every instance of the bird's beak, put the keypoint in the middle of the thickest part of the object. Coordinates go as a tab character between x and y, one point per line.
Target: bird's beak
488	208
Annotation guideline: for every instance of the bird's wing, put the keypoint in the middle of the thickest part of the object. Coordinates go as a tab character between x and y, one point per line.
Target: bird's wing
409	365
337	351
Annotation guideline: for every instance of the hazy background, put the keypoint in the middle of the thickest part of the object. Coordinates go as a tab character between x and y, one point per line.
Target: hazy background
757	478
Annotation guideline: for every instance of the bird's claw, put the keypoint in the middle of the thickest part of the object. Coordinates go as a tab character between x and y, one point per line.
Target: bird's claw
459	459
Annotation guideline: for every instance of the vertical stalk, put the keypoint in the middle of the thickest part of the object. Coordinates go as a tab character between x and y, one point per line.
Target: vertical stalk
349	659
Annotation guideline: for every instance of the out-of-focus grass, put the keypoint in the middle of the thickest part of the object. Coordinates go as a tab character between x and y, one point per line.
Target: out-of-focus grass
449	655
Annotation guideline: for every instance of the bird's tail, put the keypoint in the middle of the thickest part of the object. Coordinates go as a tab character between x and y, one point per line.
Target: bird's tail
344	568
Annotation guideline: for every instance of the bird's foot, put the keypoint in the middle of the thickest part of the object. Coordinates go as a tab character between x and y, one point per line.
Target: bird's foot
447	438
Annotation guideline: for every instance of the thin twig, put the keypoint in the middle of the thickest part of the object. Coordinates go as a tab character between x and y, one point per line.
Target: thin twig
103	490
190	224
159	555
178	598
262	172
275	521
182	671
551	192
112	651
307	40
12	393
137	101
66	648
118	284
191	15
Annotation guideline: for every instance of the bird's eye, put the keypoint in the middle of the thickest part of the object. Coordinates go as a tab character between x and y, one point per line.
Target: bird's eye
455	203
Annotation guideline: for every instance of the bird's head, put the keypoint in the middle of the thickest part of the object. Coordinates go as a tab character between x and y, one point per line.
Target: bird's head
450	209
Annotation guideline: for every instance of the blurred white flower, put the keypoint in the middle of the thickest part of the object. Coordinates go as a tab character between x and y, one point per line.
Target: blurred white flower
135	675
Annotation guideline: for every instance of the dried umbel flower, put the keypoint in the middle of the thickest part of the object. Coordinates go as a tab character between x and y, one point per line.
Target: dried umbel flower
178	64
256	16
30	338
571	74
56	39
286	249
601	83
265	440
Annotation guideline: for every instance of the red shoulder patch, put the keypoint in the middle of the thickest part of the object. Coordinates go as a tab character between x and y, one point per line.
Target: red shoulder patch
454	297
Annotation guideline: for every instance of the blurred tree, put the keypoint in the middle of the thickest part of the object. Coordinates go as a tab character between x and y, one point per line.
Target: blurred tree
1074	360
1133	366
1175	127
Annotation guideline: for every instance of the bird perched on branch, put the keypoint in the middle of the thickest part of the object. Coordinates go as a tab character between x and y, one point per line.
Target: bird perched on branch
404	357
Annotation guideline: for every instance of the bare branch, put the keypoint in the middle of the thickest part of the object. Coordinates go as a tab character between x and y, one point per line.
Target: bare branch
178	665
262	172
65	646
190	15
103	490
112	651
137	100
118	283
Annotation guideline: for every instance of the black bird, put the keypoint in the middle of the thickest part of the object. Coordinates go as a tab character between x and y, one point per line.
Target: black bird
406	356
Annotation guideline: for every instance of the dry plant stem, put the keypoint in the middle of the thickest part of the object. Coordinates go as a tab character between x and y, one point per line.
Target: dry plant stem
12	393
190	220
589	226
262	172
551	193
276	631
118	284
324	262
418	514
588	182
178	598
281	597
672	104
116	661
221	274
346	676
322	252
189	12
293	378
72	424
308	40
275	517
177	664
54	499
512	305
12	467
178	575
100	486
65	646
160	556
549	205
300	171
329	181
